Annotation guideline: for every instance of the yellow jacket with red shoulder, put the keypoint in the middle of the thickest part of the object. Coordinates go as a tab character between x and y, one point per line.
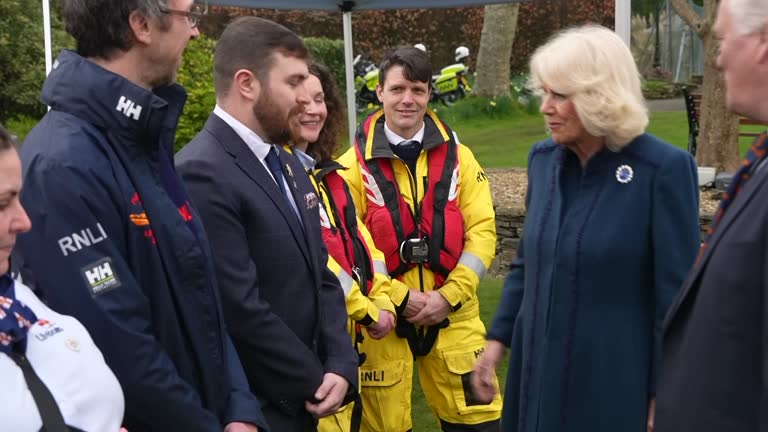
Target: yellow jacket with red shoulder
447	200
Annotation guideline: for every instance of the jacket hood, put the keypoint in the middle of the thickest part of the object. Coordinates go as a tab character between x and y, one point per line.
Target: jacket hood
109	101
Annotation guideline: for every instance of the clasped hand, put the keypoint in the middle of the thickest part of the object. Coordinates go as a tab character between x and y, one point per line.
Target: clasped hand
426	309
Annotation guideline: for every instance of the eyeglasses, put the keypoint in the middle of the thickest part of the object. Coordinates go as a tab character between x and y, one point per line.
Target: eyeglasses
193	16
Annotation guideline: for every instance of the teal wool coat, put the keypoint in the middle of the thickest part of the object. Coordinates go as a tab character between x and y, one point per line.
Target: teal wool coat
604	250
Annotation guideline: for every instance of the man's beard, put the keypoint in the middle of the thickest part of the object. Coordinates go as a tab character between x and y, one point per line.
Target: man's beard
161	74
275	125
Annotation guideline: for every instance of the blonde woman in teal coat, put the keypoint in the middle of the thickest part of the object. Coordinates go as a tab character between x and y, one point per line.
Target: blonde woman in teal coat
611	231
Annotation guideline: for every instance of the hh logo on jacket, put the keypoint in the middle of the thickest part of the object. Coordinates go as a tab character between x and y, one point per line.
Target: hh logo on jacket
129	108
100	277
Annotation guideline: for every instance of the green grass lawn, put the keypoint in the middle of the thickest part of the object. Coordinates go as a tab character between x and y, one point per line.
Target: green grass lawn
500	143
423	420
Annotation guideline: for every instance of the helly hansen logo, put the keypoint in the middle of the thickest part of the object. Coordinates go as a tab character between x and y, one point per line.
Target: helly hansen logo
129	108
99	273
100	277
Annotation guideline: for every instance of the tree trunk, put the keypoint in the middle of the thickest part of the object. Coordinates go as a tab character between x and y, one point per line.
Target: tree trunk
493	61
718	141
719	127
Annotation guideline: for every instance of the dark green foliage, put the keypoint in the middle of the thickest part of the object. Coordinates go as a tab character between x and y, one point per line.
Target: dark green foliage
196	76
21	125
658	89
474	107
329	52
22	56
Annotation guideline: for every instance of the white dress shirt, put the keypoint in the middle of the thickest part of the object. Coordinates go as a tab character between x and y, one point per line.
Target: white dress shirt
396	139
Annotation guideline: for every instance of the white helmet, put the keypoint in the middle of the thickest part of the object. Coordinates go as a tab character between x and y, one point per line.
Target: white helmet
421	47
461	52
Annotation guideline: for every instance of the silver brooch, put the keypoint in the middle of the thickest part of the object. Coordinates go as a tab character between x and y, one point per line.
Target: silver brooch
624	174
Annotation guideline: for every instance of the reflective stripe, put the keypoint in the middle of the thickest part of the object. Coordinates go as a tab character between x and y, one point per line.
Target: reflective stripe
473	262
346	282
380	267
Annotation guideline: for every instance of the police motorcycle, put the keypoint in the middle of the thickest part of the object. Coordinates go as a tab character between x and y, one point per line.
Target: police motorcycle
366	78
452	83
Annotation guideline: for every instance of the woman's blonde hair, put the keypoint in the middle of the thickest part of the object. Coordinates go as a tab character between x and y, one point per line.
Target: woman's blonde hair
594	68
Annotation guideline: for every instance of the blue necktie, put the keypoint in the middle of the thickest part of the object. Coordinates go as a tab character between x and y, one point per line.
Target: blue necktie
409	152
273	162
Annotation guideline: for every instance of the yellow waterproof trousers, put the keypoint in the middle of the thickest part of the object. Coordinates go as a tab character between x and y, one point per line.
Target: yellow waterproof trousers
444	372
386	381
339	422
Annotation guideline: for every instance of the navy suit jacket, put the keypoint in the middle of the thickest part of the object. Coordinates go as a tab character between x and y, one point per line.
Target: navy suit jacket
283	308
714	374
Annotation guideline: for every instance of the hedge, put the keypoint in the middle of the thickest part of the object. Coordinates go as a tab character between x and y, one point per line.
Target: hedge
329	52
196	76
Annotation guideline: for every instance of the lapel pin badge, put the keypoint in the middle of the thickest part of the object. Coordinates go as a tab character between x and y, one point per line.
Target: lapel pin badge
311	200
289	170
624	174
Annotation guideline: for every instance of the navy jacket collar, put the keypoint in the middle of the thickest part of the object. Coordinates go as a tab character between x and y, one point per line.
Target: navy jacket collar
110	102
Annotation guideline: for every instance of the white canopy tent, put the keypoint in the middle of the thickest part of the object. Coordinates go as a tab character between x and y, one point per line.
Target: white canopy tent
622	24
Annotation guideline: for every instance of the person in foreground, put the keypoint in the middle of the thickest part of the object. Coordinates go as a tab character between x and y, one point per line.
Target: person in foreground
53	375
427	204
611	230
116	243
284	309
360	267
714	374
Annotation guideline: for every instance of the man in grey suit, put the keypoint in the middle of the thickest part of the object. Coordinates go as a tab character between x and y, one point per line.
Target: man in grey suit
284	310
714	374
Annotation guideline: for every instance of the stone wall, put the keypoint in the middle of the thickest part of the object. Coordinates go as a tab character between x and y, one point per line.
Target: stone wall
509	228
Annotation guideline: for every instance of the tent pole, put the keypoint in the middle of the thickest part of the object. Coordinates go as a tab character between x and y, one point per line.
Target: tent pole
623	18
47	35
350	78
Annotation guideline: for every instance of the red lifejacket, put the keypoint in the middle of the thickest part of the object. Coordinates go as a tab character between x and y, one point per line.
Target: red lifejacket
390	219
342	237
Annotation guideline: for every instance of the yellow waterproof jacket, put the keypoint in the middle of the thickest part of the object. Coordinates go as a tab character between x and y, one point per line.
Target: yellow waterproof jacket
474	201
384	294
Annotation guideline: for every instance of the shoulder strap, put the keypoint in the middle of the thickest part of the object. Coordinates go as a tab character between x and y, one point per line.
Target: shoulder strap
440	195
50	414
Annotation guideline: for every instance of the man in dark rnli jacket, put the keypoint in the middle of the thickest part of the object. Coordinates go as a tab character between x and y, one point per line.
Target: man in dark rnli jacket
116	243
427	203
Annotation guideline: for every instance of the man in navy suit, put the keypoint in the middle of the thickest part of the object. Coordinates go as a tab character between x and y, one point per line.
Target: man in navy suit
714	373
284	310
